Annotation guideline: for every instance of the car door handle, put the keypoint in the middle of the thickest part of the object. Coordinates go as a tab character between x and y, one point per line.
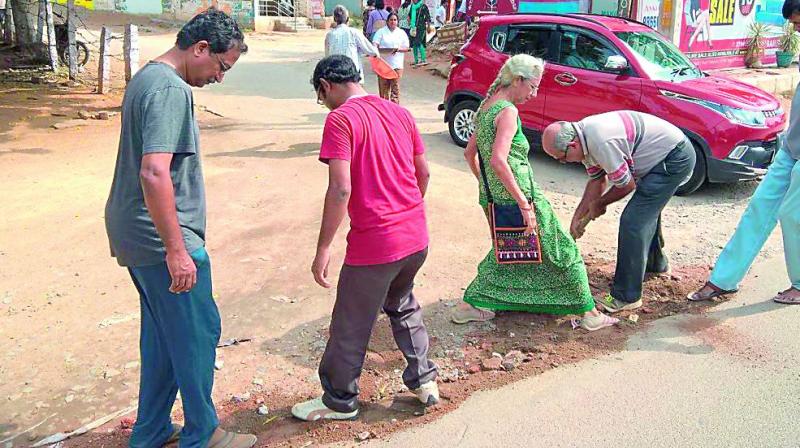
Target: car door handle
566	79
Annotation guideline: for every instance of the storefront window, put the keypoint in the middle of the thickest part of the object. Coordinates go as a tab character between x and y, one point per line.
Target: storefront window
659	58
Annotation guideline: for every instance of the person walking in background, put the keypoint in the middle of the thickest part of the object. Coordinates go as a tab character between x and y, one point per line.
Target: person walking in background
640	154
461	12
404	16
365	16
343	39
777	198
393	43
420	19
155	218
377	19
440	18
378	176
497	154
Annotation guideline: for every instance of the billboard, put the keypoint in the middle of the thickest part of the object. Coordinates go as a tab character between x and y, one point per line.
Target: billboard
714	33
88	4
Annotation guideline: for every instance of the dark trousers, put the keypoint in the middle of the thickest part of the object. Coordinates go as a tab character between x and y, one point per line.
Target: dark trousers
361	293
640	241
178	340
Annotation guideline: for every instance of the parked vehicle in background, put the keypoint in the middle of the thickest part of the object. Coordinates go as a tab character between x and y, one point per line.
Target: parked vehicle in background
61	29
62	46
598	64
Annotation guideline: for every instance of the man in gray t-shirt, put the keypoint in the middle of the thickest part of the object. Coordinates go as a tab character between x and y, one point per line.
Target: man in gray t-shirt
156	218
634	152
158	118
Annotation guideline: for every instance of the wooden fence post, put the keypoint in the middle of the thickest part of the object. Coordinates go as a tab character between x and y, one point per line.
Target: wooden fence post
104	73
131	50
72	50
51	35
41	22
8	26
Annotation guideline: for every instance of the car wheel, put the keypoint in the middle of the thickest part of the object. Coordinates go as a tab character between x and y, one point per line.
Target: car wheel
462	122
698	175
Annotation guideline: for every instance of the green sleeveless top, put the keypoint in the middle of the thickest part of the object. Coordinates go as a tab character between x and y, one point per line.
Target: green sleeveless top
485	134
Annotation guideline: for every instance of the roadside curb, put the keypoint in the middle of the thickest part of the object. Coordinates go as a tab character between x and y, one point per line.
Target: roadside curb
770	79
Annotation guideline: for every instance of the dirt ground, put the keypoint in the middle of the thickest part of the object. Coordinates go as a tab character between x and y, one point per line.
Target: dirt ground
69	315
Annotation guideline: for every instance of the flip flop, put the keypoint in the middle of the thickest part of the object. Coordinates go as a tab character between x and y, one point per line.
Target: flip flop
715	292
176	434
781	298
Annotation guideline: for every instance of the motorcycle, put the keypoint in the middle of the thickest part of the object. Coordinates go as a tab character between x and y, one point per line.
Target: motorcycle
62	45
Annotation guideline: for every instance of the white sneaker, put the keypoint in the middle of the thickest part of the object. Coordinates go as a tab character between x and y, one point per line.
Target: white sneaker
313	410
427	393
594	323
466	314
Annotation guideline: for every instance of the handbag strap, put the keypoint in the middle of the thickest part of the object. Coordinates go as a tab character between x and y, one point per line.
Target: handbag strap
489	198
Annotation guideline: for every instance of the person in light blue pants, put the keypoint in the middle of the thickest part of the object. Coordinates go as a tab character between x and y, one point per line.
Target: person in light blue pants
777	199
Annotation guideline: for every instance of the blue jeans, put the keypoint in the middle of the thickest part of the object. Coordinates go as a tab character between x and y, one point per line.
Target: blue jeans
777	198
178	342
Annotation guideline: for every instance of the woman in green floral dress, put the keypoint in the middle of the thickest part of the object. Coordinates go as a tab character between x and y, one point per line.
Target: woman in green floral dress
559	285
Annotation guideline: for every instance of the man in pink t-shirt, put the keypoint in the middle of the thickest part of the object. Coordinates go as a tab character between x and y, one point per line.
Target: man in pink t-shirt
378	175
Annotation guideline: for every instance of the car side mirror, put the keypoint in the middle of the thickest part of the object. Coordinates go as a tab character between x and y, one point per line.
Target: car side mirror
616	63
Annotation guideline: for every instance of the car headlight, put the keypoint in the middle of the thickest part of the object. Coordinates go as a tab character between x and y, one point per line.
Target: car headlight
752	118
745	117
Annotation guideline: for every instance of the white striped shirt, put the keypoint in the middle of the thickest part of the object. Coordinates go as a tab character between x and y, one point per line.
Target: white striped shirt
351	43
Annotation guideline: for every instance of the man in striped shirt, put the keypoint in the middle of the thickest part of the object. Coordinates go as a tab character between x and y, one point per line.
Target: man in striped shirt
638	153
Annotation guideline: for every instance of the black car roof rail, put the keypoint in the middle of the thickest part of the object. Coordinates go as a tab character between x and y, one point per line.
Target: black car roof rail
580	16
570	16
614	17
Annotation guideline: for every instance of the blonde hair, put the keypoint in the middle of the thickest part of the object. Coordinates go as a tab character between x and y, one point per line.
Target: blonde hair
522	66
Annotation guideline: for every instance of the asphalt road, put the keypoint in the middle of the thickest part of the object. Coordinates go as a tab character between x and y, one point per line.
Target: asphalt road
726	378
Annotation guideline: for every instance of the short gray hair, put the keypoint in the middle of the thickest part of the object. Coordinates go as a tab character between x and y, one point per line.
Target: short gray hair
566	134
340	15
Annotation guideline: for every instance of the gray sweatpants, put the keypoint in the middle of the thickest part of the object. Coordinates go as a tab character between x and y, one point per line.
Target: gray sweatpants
361	293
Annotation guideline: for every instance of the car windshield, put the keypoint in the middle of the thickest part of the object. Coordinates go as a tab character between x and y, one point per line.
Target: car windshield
660	59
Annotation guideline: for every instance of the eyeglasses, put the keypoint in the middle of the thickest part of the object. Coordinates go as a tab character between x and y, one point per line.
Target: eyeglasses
563	158
223	67
319	96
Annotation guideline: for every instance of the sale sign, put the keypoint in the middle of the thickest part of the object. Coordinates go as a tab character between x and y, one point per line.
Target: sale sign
714	33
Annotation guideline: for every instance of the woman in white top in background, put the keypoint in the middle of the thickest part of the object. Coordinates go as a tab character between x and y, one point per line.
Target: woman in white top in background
440	18
393	43
348	41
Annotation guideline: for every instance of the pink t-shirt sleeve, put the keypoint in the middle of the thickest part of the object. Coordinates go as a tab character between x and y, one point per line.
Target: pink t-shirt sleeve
416	139
337	139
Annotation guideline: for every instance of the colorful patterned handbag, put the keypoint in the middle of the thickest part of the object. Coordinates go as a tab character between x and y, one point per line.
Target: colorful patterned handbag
511	245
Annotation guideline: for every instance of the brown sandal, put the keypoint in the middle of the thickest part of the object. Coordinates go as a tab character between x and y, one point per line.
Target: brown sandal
786	300
697	296
175	436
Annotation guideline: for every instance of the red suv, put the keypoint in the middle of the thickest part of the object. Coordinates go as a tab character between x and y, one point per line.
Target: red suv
597	64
